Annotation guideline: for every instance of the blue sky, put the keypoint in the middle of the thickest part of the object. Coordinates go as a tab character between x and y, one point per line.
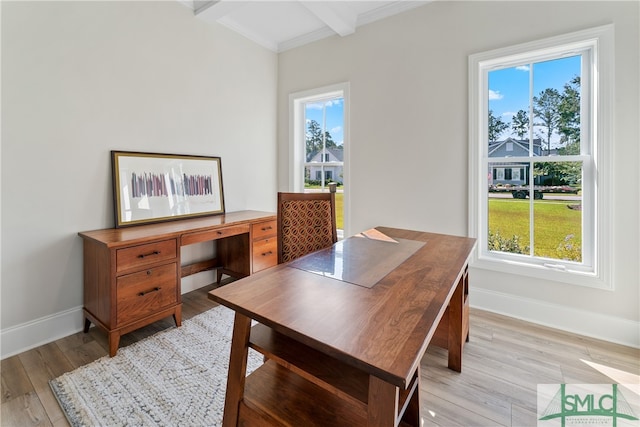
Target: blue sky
509	87
334	116
508	92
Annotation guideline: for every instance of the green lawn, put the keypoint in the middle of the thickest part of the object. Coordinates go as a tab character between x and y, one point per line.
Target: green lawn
510	217
339	206
340	211
556	226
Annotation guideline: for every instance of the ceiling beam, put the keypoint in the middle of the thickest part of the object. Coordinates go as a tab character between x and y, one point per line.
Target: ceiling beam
212	11
334	14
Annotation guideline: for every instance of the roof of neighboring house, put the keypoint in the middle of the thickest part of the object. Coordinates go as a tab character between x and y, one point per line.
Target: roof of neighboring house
336	152
522	143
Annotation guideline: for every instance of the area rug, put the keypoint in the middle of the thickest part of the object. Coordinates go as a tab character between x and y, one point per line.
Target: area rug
175	377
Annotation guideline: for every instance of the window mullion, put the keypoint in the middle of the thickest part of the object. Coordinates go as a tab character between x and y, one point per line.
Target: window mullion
531	114
532	242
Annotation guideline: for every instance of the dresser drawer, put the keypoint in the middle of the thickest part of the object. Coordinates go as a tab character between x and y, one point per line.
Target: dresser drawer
140	294
265	253
263	229
220	233
139	256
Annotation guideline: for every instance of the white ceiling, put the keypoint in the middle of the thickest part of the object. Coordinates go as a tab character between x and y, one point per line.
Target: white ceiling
282	25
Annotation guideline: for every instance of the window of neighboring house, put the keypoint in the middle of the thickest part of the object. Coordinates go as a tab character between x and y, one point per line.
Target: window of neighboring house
319	122
515	173
554	97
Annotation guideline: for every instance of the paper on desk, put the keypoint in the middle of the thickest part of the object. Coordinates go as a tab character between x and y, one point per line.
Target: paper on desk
377	235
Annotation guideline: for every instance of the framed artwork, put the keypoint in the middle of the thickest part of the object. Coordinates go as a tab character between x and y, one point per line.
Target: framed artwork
151	187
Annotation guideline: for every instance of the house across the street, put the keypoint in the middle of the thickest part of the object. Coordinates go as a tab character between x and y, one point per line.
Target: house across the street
327	162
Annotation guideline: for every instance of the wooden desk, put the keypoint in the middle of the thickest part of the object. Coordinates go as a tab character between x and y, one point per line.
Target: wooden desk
344	349
132	275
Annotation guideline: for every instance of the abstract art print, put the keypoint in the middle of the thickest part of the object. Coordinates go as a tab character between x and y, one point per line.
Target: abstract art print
152	187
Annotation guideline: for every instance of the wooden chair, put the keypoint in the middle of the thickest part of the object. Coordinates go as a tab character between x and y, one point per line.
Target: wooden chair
306	223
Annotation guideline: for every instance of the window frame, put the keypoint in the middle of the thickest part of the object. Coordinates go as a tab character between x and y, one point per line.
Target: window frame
297	130
595	269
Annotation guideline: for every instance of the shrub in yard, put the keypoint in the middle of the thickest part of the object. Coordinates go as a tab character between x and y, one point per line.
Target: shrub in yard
569	250
499	243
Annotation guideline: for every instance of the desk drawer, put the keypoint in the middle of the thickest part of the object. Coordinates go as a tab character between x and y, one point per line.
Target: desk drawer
140	294
139	256
263	229
220	233
265	254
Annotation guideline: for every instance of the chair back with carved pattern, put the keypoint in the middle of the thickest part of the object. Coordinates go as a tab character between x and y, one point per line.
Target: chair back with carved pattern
306	223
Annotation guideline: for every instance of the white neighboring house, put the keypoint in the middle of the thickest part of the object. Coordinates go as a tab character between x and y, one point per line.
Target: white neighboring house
327	163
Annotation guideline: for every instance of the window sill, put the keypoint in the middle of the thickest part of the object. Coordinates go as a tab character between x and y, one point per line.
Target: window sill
549	273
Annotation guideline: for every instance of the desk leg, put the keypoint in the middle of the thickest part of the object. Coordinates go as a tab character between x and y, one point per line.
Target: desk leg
411	415
456	328
237	369
383	403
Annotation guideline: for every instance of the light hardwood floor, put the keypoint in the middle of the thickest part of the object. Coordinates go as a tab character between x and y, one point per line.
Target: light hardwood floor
503	363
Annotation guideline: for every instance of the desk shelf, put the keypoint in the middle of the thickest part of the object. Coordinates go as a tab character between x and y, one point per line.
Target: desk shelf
277	396
314	382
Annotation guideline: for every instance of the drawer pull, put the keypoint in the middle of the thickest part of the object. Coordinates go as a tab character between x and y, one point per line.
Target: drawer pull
220	233
149	254
141	294
267	253
267	228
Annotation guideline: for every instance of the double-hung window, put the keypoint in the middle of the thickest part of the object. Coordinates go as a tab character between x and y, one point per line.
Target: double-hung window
539	131
319	145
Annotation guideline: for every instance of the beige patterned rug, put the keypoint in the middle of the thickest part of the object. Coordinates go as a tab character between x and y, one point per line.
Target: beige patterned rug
175	377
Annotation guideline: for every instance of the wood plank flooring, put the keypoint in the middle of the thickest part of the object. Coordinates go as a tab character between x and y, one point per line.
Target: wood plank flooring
503	363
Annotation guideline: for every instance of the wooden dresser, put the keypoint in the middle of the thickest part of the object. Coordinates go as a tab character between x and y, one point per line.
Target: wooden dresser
132	275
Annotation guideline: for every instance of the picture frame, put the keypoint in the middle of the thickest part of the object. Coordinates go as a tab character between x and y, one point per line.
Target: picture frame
155	187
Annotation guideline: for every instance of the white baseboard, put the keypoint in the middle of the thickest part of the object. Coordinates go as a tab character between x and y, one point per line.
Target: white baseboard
197	281
582	322
19	338
16	339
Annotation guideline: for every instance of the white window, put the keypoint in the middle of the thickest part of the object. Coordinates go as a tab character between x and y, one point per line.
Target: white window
319	147
554	98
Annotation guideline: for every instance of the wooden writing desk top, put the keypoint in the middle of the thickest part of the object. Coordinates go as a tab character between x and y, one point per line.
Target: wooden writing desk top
383	330
171	229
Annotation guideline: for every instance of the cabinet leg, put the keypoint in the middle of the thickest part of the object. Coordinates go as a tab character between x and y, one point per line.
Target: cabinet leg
87	325
114	342
177	316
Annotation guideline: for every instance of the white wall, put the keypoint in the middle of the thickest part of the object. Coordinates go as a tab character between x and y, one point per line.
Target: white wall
82	78
408	85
